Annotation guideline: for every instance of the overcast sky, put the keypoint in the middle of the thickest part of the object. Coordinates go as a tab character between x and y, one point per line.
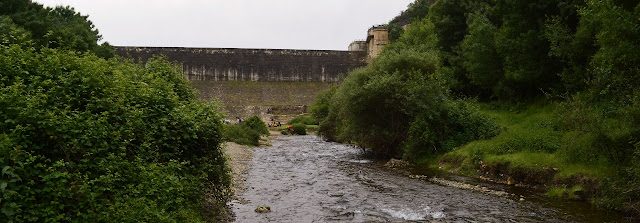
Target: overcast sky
274	24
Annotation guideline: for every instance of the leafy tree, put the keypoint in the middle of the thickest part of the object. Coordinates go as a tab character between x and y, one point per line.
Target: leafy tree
519	40
481	58
419	10
10	33
416	11
395	31
601	71
449	20
59	27
450	23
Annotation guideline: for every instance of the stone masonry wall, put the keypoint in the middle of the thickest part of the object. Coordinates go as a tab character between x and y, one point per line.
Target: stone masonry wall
270	65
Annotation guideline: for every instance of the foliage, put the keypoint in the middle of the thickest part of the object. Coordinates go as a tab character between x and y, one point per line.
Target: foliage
88	139
59	27
398	100
248	132
10	33
321	110
416	11
417	99
481	58
256	124
242	135
446	128
448	18
395	31
601	72
307	120
299	128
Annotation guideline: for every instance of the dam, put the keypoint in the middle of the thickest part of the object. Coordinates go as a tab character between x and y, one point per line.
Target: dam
253	81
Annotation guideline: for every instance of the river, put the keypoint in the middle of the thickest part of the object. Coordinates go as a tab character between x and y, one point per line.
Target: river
304	179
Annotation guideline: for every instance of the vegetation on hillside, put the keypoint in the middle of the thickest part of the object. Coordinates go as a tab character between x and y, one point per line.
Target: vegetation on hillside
524	85
86	139
416	11
61	28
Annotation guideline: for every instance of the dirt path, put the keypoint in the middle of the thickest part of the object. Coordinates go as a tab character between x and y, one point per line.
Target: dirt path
241	157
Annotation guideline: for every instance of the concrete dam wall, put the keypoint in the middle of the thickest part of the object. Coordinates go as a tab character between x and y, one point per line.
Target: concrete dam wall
263	65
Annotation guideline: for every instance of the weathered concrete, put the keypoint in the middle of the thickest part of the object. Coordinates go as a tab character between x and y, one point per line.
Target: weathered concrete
273	65
358	45
377	39
280	101
241	93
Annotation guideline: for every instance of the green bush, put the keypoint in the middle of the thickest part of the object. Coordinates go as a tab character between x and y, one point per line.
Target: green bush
255	123
447	127
299	128
307	120
242	135
87	139
321	110
247	133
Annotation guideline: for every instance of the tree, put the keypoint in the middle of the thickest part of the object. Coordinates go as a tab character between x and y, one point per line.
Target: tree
520	41
481	58
59	27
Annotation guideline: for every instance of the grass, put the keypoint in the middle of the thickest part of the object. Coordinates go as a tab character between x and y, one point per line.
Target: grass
565	192
531	141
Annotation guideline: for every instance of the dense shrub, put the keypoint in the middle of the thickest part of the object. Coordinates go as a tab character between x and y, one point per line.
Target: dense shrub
299	129
446	127
248	132
87	139
255	123
241	135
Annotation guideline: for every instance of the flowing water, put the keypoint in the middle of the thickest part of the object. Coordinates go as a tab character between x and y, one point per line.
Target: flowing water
304	179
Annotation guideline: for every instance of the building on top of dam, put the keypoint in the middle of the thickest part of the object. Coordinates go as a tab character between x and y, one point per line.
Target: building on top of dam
358	45
377	38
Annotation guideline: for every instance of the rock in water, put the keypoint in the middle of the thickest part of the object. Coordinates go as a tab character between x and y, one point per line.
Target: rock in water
394	163
263	209
511	181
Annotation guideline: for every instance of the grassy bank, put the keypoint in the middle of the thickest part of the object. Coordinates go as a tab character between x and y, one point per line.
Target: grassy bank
532	150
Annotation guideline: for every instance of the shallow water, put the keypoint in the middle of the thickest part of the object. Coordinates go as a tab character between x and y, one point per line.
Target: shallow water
304	179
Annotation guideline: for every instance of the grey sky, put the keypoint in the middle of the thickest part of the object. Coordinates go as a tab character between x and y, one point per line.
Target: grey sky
277	24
